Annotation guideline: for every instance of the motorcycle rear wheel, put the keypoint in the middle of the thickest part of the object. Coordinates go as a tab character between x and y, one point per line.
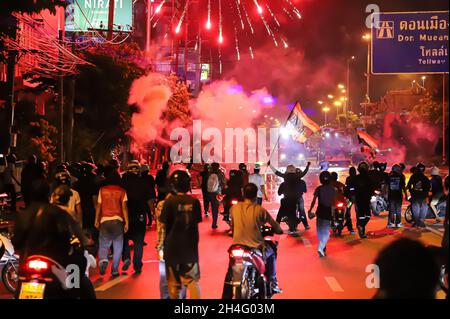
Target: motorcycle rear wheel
10	276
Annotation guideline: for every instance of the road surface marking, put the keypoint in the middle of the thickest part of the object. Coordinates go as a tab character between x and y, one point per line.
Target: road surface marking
334	285
111	283
150	261
306	242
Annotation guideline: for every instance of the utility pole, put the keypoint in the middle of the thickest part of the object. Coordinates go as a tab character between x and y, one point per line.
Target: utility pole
186	37
112	4
61	88
11	70
149	25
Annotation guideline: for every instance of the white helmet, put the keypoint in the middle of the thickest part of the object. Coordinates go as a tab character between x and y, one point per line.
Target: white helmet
435	170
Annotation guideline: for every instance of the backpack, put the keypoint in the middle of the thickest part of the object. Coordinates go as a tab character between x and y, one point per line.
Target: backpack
213	183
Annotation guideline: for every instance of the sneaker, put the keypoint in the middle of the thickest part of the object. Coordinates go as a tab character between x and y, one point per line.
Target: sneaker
307	227
352	232
399	225
103	266
126	264
292	232
115	274
214	226
361	232
206	214
275	288
390	225
138	271
321	253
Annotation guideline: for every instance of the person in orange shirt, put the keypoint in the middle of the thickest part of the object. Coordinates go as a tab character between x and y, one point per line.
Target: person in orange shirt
111	219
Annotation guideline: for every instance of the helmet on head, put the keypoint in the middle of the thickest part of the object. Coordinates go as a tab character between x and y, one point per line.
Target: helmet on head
435	170
363	167
402	166
233	173
63	178
242	167
397	169
257	167
87	168
165	166
215	166
325	177
382	166
334	176
420	168
134	167
290	169
180	181
376	165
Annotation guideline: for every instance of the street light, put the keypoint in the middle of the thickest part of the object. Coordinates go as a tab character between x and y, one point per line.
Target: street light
330	96
423	80
366	37
320	102
325	110
341	86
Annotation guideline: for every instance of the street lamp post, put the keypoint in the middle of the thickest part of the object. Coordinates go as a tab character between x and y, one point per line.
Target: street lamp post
367	38
325	110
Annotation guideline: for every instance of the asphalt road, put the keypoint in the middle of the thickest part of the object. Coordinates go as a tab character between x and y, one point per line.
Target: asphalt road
301	273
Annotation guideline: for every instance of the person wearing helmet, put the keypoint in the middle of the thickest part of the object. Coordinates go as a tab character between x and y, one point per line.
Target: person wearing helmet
179	218
74	204
396	189
232	191
364	189
292	169
245	173
419	187
290	189
257	179
349	192
325	195
138	206
215	185
247	218
437	189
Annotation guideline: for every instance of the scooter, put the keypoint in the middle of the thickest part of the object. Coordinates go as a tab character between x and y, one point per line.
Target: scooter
339	218
441	206
248	267
9	264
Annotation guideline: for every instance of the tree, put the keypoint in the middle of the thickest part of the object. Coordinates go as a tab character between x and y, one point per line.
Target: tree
178	104
429	110
349	119
102	92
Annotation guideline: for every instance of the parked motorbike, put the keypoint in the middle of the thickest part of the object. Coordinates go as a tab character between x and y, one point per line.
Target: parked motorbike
248	266
338	218
378	204
431	215
9	264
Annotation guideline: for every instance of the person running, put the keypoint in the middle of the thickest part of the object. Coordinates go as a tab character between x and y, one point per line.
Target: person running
111	219
179	218
257	179
419	187
325	195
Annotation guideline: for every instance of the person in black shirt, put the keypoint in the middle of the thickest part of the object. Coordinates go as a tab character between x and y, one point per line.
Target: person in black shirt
162	181
419	186
396	188
326	196
180	216
138	205
203	181
289	203
364	189
150	187
349	192
437	189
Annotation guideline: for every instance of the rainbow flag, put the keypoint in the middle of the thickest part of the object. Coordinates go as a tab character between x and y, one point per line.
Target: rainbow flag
300	125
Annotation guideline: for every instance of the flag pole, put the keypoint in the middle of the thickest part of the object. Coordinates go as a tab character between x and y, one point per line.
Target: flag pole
278	140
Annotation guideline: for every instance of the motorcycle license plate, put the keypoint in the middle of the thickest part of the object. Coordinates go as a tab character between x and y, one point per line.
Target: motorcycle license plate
31	290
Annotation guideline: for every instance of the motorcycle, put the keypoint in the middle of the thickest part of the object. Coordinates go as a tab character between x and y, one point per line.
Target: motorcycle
248	267
338	218
9	264
440	206
378	204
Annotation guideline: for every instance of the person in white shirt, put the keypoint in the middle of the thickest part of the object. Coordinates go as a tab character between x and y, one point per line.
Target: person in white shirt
258	180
